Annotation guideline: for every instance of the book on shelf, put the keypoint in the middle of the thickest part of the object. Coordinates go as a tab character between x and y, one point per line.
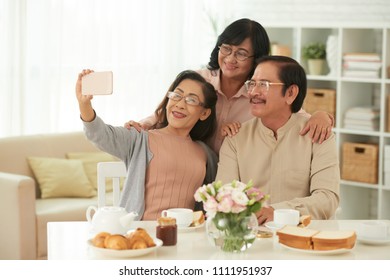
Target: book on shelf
362	113
361	127
362	65
366	123
362	56
361	73
362	124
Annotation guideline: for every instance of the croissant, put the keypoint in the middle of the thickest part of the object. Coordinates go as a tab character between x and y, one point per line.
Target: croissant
116	241
145	236
140	234
139	239
98	240
137	243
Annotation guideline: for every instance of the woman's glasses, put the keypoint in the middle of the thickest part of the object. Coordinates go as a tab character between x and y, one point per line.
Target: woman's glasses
239	55
189	99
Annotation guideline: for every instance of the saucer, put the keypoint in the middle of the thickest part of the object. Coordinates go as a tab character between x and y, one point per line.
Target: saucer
273	226
190	228
372	241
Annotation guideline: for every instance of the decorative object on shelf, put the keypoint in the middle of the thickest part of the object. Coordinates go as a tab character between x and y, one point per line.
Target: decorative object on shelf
231	223
320	99
331	54
361	65
277	49
360	162
315	54
362	118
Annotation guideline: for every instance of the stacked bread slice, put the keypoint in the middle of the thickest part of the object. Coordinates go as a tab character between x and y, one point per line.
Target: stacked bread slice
297	237
311	239
333	240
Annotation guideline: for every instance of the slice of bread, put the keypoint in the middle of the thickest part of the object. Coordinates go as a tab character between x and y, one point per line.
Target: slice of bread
331	240
198	218
296	237
304	220
297	233
310	239
306	245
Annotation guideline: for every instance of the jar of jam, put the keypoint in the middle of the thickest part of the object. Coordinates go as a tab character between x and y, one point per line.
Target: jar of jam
166	230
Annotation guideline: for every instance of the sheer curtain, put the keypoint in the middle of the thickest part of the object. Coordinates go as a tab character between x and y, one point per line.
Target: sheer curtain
46	43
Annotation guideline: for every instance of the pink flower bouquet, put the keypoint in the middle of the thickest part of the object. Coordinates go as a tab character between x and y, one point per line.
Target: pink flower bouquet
230	209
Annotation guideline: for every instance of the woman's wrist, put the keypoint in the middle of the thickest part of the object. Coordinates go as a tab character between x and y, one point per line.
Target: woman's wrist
87	114
331	119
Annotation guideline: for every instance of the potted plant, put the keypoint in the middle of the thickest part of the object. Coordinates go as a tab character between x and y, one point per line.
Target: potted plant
315	54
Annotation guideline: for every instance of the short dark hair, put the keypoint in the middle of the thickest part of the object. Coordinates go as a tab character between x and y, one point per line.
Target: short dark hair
235	33
202	129
290	72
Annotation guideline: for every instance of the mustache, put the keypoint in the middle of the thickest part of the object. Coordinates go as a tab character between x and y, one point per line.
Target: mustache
255	99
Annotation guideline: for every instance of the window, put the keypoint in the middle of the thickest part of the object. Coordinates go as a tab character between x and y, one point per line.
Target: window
46	43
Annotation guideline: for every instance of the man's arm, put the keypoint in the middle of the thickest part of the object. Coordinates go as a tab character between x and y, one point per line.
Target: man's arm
228	165
324	183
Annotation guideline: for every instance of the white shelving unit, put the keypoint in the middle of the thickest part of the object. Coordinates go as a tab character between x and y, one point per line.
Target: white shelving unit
358	200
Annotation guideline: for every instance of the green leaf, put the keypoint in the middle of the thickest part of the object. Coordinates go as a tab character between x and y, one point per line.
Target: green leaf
315	50
255	207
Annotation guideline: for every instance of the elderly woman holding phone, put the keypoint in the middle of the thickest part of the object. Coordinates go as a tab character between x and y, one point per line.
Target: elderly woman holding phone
232	63
167	163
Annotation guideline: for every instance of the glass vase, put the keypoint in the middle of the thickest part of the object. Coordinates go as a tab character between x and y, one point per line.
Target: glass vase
232	232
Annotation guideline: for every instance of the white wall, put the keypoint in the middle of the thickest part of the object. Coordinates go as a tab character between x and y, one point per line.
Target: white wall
330	12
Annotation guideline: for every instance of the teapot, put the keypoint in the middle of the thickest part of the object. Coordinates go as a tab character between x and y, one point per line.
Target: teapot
111	219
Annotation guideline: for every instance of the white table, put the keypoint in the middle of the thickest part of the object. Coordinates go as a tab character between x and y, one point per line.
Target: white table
68	240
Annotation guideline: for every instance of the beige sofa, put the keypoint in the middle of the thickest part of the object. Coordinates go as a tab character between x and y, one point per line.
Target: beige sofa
24	215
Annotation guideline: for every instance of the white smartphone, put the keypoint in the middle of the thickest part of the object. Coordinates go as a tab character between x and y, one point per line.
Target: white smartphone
97	83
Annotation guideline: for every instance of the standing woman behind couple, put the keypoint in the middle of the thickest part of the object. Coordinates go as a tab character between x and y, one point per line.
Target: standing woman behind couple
232	62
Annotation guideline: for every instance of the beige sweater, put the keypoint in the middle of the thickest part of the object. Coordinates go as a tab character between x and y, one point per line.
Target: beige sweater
177	169
295	172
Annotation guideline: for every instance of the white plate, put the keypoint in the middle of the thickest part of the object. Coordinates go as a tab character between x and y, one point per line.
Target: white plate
370	241
273	226
318	252
187	229
125	253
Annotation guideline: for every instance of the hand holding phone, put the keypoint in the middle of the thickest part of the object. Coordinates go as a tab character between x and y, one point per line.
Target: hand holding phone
97	83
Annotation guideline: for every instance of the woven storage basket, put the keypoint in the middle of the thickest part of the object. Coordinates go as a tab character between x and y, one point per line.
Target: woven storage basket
320	99
360	162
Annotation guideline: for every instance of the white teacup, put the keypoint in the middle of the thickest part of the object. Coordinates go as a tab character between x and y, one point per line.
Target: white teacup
183	216
374	230
286	217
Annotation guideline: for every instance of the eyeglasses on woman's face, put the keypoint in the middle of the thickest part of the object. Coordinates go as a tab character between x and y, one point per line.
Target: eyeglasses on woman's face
263	85
240	55
191	100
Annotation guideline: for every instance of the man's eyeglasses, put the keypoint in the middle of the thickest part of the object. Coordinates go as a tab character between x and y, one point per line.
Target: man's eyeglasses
189	99
239	55
263	85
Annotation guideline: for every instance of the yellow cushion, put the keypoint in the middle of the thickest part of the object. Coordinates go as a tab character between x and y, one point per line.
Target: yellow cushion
61	177
90	161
